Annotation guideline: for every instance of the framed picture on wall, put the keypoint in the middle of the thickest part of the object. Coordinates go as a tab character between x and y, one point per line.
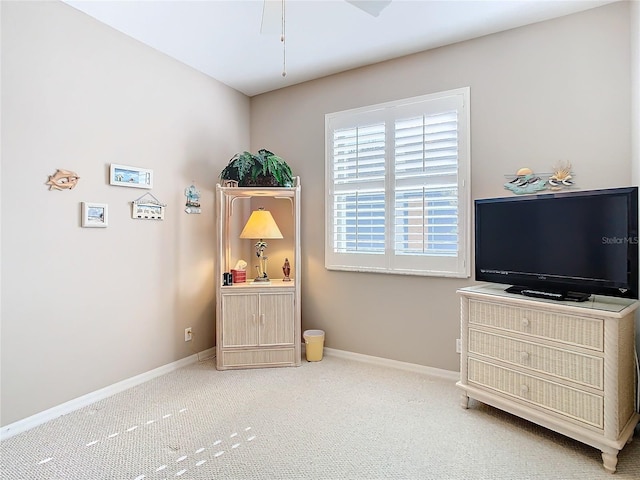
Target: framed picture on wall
95	214
126	176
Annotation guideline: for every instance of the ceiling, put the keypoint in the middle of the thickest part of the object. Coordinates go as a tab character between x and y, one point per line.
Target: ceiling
223	39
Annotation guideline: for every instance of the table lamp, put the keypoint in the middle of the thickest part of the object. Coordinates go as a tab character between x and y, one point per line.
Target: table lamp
261	225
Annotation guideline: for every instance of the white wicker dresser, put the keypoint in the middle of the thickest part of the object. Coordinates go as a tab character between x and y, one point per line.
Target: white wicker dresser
567	366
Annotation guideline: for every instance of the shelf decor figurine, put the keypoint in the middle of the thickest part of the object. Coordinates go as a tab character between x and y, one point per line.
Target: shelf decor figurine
526	182
286	269
561	176
261	225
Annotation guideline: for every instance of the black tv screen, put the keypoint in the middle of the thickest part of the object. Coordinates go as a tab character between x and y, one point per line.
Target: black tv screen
567	244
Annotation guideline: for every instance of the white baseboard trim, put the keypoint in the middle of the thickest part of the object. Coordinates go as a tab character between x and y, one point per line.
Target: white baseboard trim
385	362
85	400
207	354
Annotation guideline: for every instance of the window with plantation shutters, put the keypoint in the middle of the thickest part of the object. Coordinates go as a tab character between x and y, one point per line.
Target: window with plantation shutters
397	186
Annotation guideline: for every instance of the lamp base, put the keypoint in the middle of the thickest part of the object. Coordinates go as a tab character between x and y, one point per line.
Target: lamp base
262	280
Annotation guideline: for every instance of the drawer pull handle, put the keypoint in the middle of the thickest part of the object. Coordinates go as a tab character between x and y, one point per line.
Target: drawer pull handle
524	389
524	356
525	322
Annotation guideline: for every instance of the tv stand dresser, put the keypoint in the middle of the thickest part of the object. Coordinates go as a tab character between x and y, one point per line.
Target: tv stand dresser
567	366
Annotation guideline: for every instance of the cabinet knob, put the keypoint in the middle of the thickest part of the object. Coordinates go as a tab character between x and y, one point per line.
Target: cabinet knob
524	356
525	322
524	389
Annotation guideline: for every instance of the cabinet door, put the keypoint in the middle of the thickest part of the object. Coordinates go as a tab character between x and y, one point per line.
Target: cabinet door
240	320
276	319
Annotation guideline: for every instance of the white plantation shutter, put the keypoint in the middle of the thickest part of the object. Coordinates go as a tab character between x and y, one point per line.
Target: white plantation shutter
397	187
358	153
426	193
359	222
359	203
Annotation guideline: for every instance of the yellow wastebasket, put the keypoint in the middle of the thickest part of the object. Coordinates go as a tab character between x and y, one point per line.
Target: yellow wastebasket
314	343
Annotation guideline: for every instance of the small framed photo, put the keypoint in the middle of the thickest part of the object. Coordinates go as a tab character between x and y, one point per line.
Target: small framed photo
95	214
126	176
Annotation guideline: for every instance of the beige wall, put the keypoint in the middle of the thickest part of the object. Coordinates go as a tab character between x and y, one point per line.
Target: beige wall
558	90
635	112
85	308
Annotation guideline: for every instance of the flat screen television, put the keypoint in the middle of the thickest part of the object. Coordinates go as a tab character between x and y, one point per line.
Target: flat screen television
564	245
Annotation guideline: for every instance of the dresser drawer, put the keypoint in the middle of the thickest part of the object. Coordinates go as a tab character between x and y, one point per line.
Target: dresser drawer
584	369
582	406
574	330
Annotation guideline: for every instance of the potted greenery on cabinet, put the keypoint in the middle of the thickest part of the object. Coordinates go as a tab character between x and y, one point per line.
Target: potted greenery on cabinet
264	169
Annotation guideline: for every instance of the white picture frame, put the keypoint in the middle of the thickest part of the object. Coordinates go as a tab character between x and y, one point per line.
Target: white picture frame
95	215
128	176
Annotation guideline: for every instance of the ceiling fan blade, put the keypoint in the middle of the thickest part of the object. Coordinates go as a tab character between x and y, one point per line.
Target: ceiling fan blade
372	7
271	17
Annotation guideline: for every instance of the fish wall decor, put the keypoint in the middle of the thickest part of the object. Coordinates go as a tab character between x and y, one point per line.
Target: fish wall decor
63	180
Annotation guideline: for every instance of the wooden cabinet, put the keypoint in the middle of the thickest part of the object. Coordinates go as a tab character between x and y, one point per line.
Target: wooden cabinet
257	323
257	319
564	365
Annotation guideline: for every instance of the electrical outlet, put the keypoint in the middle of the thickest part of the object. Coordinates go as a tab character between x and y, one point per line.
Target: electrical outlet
188	334
458	345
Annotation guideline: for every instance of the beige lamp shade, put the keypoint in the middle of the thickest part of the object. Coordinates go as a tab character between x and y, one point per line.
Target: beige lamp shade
261	225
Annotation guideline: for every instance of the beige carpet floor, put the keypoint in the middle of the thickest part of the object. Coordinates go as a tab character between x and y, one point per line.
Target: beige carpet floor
334	419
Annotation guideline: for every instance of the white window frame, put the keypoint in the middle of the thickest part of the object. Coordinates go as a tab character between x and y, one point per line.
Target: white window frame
456	265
